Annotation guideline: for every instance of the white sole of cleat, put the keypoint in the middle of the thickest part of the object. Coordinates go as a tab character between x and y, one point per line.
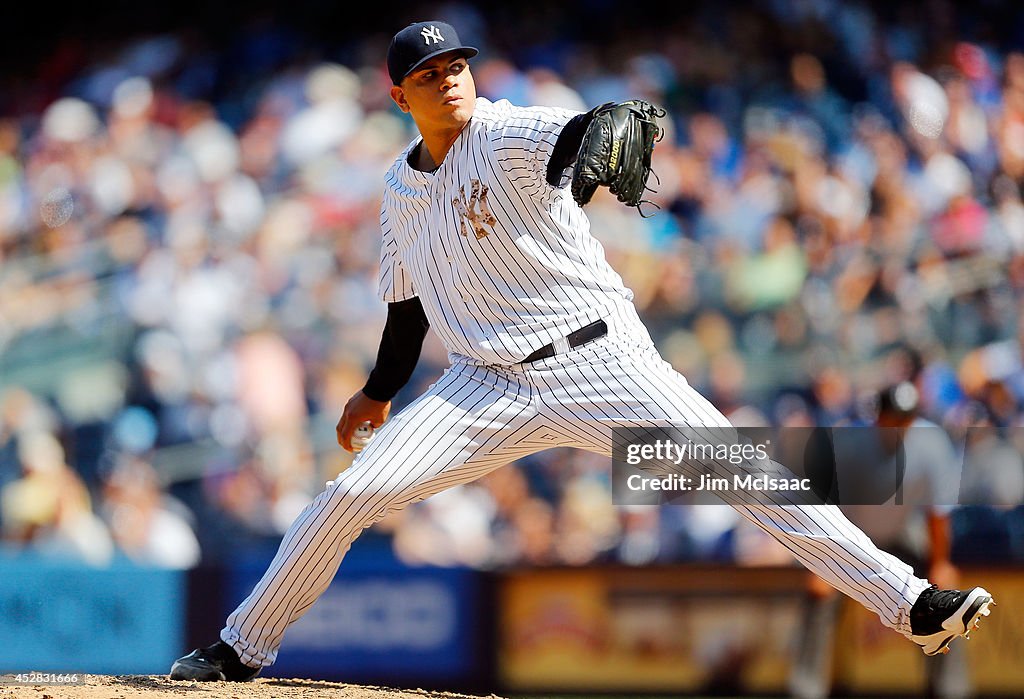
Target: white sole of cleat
976	606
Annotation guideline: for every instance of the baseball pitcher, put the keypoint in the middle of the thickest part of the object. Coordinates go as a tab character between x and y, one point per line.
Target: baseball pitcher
485	240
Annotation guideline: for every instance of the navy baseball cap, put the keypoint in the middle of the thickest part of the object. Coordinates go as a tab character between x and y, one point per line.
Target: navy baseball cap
420	42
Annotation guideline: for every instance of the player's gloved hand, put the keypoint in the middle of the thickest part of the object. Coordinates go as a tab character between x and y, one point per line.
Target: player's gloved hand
616	151
358	410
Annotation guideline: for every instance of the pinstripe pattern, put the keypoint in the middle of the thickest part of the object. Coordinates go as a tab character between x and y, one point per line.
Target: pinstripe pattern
538	275
478	417
533	276
636	387
457	431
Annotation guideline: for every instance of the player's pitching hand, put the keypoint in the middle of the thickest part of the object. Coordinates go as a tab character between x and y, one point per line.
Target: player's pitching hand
358	410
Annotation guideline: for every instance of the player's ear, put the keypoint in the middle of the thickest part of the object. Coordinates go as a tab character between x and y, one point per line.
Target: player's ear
398	95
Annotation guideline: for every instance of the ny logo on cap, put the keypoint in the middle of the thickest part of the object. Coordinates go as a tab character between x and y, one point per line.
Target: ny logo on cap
431	32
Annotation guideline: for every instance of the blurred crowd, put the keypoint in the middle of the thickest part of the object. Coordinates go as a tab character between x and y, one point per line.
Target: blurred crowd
189	243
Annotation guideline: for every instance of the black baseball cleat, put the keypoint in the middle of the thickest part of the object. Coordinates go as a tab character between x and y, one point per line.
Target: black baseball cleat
216	663
939	616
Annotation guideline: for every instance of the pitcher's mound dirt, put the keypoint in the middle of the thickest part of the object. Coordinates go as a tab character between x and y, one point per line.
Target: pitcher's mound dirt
157	687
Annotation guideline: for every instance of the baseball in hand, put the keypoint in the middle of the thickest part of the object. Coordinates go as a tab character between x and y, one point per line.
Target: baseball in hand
362	436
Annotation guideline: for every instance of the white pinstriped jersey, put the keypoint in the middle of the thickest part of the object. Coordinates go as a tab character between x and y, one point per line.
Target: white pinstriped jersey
503	263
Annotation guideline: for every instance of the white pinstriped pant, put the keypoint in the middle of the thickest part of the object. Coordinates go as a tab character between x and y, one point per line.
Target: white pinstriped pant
479	417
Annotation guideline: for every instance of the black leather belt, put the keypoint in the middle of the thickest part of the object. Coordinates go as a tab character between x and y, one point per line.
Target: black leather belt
582	336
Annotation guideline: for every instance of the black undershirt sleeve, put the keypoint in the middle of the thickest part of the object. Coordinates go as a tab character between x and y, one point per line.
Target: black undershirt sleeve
400	346
568	145
407	324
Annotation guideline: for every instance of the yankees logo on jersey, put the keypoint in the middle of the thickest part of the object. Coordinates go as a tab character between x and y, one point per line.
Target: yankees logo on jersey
533	257
475	211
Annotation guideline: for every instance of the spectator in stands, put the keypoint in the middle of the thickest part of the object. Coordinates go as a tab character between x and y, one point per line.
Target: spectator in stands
48	510
148	526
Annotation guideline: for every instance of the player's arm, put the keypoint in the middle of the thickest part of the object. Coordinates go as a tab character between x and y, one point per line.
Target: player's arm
567	146
525	140
609	146
399	351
